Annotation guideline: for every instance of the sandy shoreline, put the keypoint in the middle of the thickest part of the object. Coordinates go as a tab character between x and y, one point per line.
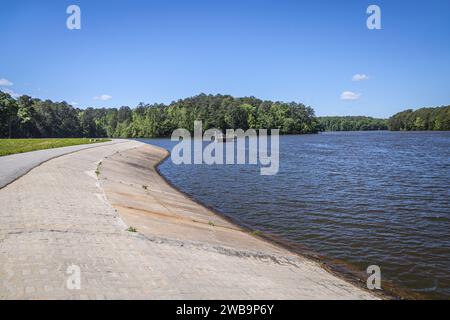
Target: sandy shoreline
74	210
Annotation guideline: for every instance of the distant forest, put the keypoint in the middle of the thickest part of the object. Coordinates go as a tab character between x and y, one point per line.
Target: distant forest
27	117
350	123
421	119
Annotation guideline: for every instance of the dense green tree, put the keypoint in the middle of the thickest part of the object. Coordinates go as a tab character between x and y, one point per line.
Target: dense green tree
124	114
33	118
352	123
237	117
8	115
87	123
27	117
111	121
421	119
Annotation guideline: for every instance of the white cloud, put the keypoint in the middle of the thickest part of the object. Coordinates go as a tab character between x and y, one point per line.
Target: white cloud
73	103
10	92
348	95
360	77
5	82
103	97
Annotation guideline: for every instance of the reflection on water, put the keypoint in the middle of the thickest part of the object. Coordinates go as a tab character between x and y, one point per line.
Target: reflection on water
368	198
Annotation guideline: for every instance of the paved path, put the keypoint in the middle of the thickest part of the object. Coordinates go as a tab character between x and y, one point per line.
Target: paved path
16	165
63	214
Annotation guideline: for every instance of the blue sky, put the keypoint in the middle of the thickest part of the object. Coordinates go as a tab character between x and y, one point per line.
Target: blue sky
160	51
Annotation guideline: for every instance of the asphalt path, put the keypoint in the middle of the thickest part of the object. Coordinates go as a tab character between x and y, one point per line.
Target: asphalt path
14	166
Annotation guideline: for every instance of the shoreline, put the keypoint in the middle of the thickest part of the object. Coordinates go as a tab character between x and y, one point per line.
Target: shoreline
181	250
336	267
130	213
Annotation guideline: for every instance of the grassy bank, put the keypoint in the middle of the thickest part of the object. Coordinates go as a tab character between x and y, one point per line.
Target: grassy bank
12	146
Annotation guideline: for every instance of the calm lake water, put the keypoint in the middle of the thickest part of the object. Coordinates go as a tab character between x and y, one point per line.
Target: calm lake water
366	198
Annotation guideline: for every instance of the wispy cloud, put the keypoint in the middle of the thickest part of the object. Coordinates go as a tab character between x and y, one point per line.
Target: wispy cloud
5	82
360	77
73	103
348	95
103	97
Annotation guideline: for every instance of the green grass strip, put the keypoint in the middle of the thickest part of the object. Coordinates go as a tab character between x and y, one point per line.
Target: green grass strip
13	146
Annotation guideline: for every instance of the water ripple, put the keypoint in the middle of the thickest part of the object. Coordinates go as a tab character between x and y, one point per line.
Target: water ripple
365	198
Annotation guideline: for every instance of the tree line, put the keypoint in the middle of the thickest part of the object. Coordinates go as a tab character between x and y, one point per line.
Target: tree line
351	123
27	117
421	119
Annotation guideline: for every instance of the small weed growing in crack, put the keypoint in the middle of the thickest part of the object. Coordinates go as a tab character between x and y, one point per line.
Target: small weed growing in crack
256	233
145	187
211	223
132	229
97	171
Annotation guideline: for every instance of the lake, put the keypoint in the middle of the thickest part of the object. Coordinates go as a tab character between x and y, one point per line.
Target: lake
363	198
